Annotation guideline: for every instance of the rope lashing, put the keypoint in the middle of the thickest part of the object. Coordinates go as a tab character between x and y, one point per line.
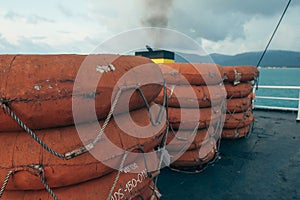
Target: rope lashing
250	130
41	173
166	106
118	176
40	169
164	140
5	183
73	153
81	150
7	109
155	192
161	111
90	146
199	168
145	161
237	77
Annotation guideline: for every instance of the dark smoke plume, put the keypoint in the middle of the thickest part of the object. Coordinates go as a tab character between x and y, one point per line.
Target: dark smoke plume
156	13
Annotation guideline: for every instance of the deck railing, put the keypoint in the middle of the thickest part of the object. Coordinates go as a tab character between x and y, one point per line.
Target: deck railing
280	99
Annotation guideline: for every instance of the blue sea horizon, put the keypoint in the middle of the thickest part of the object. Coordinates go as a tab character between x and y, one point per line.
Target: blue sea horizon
278	77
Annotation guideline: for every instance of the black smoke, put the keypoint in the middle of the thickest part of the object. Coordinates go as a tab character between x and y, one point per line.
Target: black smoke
156	13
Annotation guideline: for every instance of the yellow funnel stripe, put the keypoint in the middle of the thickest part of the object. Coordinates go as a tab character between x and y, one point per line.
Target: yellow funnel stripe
162	60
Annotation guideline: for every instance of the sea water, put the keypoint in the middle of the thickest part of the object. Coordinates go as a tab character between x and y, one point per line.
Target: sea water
278	77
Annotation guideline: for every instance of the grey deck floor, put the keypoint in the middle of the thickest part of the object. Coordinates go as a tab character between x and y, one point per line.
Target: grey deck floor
265	166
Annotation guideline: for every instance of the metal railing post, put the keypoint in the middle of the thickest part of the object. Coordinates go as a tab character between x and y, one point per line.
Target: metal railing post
254	95
298	117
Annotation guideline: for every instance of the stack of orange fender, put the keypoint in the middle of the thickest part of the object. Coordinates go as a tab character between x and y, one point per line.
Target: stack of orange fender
238	83
195	94
38	89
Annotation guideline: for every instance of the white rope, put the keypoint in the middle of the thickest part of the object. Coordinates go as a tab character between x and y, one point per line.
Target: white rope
117	177
5	183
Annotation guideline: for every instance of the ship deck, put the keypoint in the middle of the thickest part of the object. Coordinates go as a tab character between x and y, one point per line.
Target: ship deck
264	166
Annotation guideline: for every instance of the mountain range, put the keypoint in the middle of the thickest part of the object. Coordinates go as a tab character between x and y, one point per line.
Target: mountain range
272	58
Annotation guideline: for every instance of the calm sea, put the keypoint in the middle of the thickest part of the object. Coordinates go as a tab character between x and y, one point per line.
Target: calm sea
281	77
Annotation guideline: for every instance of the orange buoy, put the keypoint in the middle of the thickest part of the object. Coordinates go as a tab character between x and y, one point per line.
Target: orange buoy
188	139
238	74
236	133
237	120
236	105
39	88
238	91
189	118
192	73
197	157
183	96
21	151
5	61
129	186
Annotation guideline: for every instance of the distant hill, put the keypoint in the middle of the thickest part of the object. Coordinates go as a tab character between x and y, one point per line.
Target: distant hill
273	58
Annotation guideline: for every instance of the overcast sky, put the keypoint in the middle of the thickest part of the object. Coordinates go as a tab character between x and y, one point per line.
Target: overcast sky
78	26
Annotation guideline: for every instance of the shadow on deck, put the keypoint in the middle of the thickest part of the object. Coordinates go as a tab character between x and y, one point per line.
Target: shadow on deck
265	166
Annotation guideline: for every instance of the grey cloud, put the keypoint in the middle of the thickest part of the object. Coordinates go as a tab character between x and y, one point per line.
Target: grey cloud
66	11
208	24
35	19
24	45
37	37
11	15
246	7
64	31
5	46
210	19
218	19
29	45
69	13
30	19
214	20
